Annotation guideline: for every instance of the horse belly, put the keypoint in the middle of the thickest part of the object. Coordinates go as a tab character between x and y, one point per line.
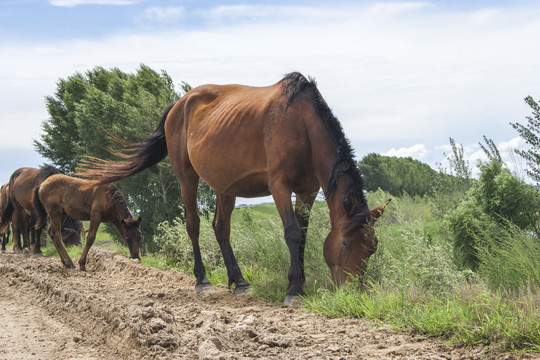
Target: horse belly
236	178
231	167
77	212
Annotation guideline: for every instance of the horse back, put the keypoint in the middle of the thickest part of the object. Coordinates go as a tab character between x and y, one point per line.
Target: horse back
21	188
62	194
232	134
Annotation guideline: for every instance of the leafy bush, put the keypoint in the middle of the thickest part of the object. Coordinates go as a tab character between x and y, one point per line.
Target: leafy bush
498	200
469	225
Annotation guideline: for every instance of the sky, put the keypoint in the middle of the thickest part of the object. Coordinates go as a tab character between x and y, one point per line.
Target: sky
401	76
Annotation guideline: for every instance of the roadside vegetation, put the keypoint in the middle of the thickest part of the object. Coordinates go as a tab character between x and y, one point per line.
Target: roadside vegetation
458	257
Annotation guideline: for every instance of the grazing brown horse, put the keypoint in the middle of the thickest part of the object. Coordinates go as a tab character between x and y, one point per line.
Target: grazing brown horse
254	141
60	196
20	209
4	194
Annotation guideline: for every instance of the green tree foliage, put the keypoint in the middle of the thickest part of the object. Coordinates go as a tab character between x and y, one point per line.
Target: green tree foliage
531	133
496	200
87	113
397	176
491	150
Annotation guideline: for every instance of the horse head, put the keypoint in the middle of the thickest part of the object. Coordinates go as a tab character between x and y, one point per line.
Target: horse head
132	235
352	240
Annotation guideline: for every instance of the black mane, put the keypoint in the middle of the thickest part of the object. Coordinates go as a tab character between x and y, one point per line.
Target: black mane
120	202
46	171
294	84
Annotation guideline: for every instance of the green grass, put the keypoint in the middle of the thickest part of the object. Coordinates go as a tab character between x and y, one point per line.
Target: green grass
470	316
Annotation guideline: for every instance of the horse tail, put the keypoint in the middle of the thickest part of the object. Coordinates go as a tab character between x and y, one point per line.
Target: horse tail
71	231
41	213
140	156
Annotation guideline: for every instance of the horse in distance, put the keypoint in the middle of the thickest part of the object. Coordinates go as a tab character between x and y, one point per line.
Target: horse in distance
20	210
61	196
4	193
256	141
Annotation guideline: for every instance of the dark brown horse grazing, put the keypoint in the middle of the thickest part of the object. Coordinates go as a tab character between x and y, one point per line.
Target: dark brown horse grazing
20	209
4	194
60	196
254	141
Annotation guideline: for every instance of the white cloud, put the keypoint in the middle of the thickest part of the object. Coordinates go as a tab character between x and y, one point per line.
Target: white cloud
74	3
163	13
417	151
509	146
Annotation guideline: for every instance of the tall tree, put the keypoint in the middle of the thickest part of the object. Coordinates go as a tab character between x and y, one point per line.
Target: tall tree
396	175
530	132
88	111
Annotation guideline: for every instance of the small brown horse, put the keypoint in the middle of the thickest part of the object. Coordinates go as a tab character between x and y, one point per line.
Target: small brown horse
60	196
4	194
20	210
255	141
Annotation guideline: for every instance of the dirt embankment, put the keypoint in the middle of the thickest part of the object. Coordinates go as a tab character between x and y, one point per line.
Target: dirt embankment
120	309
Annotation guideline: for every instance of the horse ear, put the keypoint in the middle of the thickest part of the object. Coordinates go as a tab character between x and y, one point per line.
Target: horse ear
349	204
379	210
138	221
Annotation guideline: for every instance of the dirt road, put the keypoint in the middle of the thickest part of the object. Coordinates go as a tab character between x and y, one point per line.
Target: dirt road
120	309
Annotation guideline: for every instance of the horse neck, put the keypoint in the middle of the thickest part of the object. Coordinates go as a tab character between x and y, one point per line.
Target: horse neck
323	151
324	158
120	209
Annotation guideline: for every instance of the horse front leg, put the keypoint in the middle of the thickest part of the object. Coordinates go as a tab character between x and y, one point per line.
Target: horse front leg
302	209
293	237
36	240
26	231
222	230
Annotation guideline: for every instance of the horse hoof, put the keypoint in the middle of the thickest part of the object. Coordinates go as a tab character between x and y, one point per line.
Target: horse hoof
204	289
26	252
3	251
292	301
38	254
241	290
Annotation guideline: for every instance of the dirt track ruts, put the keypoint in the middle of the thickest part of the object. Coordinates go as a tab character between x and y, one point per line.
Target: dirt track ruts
121	309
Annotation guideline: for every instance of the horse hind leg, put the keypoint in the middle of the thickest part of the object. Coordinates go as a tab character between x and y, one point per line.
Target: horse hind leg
90	237
222	230
56	235
188	186
5	238
16	233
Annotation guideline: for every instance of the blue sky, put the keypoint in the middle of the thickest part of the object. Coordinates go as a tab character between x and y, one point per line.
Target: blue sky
401	76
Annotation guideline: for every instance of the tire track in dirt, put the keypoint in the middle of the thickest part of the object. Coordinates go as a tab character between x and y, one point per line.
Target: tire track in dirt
121	309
